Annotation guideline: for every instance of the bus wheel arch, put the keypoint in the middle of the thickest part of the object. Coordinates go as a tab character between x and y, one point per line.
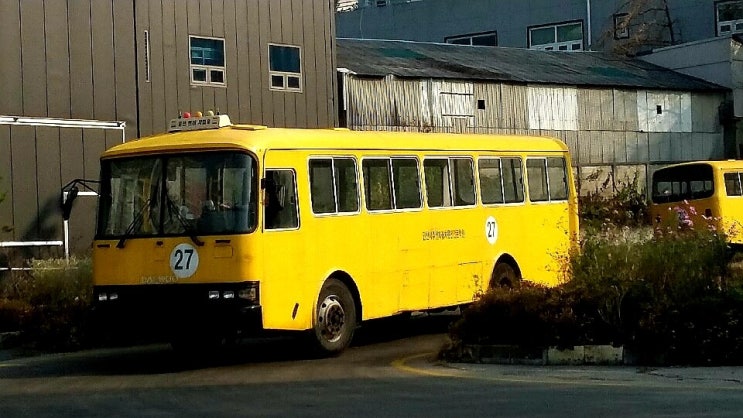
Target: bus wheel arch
506	272
336	314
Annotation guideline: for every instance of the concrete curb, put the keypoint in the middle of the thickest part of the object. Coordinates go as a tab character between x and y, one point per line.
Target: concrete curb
578	355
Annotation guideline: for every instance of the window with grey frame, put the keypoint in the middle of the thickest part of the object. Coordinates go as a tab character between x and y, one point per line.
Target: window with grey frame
729	17
207	61
500	180
733	184
449	181
281	209
547	179
475	39
285	67
621	26
333	185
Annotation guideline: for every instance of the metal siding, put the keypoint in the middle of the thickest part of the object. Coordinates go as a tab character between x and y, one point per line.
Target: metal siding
144	89
24	180
584	113
234	83
57	59
194	28
289	105
159	64
325	61
125	64
218	30
607	146
94	143
312	91
33	57
606	107
266	36
299	100
11	71
172	67
49	221
71	155
81	58
643	147
257	74
553	108
705	112
6	185
208	94
104	100
619	142
182	57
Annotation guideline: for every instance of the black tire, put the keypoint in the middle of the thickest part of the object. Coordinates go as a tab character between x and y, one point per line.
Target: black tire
335	318
504	275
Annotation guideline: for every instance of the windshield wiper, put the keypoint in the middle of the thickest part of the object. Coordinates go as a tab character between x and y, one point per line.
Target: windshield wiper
189	229
135	222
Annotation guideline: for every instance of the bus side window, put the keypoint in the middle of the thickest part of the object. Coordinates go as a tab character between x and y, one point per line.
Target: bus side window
491	181
464	182
406	183
513	180
281	200
537	178
732	184
558	178
377	188
438	190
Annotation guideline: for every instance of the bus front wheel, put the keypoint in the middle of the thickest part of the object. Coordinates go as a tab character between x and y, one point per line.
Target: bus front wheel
504	275
335	318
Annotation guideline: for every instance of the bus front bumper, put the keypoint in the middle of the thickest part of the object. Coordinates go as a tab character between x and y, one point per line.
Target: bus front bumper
172	310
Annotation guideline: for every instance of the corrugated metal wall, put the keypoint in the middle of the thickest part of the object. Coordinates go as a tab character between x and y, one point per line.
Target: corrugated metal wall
85	59
247	28
618	131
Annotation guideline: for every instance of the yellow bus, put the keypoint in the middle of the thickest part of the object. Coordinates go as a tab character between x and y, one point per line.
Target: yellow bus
700	194
220	229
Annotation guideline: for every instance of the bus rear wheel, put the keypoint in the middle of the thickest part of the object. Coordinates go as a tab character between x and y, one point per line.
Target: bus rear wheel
335	318
504	275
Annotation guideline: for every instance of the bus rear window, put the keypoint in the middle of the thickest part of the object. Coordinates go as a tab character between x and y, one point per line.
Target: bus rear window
686	182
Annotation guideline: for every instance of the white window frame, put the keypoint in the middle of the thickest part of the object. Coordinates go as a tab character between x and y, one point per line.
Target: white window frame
733	24
207	68
285	75
555	46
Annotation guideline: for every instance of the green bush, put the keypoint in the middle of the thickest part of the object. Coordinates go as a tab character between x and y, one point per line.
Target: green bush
669	299
624	206
49	304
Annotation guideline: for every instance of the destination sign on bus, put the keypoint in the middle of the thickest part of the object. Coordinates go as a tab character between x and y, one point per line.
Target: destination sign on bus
194	124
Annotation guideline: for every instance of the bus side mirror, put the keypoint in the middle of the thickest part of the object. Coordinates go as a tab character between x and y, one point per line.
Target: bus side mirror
67	201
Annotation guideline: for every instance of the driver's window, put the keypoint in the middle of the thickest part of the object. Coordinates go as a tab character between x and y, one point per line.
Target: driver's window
280	200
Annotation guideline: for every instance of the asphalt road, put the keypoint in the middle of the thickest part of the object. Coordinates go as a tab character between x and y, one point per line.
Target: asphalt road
388	372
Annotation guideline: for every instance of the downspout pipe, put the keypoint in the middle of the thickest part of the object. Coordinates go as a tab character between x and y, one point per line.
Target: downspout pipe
588	24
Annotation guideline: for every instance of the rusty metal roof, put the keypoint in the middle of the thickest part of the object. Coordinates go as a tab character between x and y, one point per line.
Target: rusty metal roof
379	58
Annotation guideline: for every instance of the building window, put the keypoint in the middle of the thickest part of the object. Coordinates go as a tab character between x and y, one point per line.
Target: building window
207	61
285	67
557	37
621	26
477	39
729	17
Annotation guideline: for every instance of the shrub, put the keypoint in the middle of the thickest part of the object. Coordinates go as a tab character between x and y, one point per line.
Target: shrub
49	304
670	299
624	206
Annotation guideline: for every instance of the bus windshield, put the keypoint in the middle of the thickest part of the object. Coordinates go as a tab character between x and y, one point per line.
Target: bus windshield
192	194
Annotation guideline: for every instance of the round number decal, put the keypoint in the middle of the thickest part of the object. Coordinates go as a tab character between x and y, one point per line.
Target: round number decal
184	260
491	230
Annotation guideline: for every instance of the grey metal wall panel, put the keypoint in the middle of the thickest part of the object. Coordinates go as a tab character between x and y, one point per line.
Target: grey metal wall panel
125	76
57	59
161	67
705	112
145	89
266	35
311	93
11	101
170	60
94	143
24	180
33	54
104	99
81	58
287	37
182	55
71	155
619	140
49	220
194	28
6	206
208	94
232	93
325	29
218	30
257	64
607	139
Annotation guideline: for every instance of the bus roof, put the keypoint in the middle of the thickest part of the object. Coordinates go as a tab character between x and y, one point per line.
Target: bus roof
715	164
256	138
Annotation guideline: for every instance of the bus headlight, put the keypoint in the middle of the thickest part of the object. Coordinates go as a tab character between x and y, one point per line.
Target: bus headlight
249	293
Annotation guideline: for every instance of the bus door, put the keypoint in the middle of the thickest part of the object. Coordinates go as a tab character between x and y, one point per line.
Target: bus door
284	252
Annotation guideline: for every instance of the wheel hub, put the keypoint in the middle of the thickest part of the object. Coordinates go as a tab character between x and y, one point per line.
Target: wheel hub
331	318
